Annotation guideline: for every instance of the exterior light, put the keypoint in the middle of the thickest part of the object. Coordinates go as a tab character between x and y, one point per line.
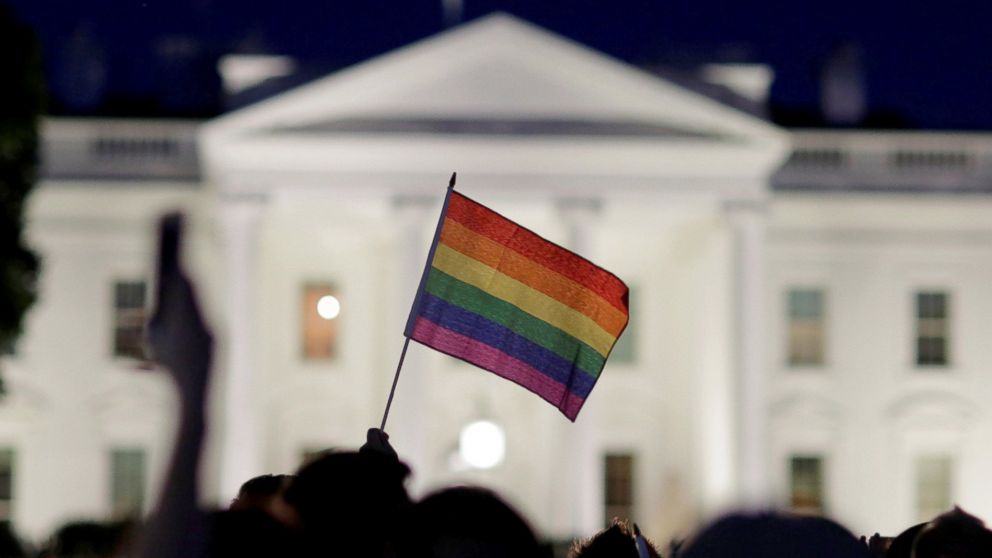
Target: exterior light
328	307
482	444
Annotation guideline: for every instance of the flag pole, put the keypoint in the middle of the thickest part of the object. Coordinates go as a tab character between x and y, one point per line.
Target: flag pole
416	301
392	390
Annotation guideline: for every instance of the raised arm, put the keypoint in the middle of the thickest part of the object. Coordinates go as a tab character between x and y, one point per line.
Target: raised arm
182	344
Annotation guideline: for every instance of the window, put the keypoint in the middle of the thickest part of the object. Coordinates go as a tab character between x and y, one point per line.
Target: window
625	349
319	311
806	328
818	157
129	319
806	484
6	484
932	329
933	486
619	486
917	160
127	481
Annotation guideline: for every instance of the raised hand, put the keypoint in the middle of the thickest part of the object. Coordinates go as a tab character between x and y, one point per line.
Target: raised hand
377	441
177	335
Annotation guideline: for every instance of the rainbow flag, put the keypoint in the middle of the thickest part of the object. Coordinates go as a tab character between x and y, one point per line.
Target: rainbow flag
506	300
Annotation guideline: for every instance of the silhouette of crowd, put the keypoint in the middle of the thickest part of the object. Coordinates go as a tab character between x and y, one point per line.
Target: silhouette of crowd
355	504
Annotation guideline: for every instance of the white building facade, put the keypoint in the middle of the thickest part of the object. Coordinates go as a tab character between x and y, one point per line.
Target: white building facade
816	344
86	427
892	232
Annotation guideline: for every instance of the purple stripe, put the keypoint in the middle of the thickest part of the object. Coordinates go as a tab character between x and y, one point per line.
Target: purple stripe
465	322
499	363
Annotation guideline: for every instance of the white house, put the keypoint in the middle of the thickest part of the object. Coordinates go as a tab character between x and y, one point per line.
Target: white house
811	340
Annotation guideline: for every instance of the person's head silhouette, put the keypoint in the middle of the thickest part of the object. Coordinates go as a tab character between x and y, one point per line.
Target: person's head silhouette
619	540
349	503
955	534
466	521
774	535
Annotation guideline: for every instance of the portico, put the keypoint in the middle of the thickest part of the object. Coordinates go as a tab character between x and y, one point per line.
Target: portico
341	180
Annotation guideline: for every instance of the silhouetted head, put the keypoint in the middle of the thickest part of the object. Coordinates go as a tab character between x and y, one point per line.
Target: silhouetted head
902	545
89	539
10	545
773	535
265	493
955	534
246	533
258	489
619	540
466	521
349	503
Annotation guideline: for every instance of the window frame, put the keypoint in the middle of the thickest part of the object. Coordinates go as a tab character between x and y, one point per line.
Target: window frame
10	504
950	463
112	488
334	352
817	324
821	485
116	321
610	507
944	324
630	355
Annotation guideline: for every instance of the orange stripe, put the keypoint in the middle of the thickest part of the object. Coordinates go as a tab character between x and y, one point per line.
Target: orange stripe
534	275
488	223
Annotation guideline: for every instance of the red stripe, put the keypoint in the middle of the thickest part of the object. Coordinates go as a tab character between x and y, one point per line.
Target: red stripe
492	225
499	363
571	406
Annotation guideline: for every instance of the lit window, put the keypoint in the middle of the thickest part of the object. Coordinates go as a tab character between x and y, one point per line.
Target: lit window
6	484
129	319
625	349
932	331
806	484
127	481
933	486
319	320
806	328
619	487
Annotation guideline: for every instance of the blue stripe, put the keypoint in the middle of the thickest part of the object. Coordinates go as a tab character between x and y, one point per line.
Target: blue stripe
493	334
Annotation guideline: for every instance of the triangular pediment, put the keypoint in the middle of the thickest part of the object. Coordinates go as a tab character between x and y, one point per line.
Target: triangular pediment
497	75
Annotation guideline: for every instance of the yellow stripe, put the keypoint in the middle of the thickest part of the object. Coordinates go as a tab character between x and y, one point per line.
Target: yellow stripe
533	302
548	281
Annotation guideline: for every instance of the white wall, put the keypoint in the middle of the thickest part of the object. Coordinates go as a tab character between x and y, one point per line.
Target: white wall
870	409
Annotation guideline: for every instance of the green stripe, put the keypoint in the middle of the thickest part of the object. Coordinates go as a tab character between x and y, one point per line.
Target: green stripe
475	300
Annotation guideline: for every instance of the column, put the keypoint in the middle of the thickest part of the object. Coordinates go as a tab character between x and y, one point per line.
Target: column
240	436
747	221
583	482
408	421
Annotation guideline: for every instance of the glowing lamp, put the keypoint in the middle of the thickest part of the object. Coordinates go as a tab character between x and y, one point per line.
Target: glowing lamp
482	444
328	307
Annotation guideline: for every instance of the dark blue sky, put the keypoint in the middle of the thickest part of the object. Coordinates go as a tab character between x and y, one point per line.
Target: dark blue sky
926	64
